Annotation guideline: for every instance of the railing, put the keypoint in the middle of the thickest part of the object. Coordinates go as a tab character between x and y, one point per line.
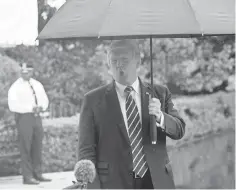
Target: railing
62	109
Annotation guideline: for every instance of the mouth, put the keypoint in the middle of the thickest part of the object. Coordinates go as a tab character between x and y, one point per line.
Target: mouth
121	69
122	72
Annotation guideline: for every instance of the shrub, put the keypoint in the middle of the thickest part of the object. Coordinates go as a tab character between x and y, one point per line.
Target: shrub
59	150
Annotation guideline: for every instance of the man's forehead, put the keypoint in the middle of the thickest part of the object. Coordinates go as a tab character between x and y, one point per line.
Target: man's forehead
118	47
121	52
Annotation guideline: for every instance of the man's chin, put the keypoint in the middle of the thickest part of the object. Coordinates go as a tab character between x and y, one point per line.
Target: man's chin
122	73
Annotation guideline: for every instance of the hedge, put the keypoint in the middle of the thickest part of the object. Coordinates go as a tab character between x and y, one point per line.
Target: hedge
59	151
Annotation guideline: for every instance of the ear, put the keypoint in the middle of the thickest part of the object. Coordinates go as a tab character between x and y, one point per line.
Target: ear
138	61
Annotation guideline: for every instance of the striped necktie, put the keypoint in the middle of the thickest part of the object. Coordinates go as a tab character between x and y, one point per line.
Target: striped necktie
34	94
135	134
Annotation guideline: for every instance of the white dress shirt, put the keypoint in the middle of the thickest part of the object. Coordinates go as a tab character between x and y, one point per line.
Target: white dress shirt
21	98
136	94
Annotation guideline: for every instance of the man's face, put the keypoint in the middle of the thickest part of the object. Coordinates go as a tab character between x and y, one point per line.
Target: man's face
123	64
27	75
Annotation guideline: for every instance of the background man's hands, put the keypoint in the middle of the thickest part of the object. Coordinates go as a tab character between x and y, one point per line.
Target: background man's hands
37	109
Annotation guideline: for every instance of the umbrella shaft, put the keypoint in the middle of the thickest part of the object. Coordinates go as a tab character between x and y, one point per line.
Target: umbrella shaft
153	126
151	63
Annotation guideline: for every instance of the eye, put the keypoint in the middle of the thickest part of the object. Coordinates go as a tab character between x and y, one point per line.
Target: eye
126	60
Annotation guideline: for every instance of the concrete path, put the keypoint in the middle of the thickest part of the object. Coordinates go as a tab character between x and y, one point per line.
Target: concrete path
59	181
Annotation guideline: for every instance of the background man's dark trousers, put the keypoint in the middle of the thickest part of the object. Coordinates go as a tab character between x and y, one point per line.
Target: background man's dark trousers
30	136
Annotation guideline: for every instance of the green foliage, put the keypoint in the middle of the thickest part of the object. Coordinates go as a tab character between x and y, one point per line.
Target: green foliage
45	12
194	65
9	72
59	152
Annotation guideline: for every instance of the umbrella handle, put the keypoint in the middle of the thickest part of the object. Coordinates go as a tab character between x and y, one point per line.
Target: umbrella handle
153	127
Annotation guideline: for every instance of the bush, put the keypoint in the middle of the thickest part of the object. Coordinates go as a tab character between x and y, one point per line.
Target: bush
59	150
9	71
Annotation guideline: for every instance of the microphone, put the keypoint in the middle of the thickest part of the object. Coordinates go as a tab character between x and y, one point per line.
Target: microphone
85	173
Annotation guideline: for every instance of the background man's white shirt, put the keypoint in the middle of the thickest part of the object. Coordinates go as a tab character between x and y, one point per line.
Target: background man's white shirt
136	94
21	98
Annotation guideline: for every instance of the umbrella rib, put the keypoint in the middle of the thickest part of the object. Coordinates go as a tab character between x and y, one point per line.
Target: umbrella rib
105	18
194	14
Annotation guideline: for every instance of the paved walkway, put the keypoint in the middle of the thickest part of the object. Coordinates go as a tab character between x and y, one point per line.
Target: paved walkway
59	181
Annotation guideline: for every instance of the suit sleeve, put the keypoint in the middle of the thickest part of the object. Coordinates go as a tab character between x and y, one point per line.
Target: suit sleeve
174	124
86	133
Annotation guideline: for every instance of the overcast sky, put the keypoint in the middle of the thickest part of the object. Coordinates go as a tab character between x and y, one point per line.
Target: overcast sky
19	21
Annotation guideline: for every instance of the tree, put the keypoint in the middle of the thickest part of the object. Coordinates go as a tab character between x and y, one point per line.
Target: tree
45	12
193	65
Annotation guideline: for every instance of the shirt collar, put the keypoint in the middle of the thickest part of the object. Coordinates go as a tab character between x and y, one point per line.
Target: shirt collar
121	88
22	80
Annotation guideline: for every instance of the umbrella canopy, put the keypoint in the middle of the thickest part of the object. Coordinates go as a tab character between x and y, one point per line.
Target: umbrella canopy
141	18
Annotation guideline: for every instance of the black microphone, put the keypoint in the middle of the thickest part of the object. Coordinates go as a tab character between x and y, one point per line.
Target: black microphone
85	173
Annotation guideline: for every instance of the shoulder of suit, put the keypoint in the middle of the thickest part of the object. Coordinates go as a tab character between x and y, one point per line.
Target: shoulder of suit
97	91
95	96
161	88
158	87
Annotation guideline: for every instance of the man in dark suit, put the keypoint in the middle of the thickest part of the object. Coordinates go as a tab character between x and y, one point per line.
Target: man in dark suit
114	128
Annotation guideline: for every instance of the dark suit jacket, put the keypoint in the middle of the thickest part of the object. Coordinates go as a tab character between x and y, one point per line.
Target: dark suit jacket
103	138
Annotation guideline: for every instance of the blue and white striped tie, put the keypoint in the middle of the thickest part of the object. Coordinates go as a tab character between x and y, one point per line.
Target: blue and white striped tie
140	166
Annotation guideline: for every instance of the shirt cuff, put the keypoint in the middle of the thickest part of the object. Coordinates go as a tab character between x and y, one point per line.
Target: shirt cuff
161	124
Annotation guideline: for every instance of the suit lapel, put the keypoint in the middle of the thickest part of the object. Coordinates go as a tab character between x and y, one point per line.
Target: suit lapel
114	110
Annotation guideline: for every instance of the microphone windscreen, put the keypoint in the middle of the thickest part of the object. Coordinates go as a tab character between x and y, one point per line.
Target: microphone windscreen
85	171
76	185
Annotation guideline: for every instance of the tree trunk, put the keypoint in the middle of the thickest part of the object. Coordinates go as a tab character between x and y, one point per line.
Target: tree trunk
41	4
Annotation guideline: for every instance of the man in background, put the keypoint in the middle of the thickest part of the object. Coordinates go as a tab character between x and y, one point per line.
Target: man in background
27	99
